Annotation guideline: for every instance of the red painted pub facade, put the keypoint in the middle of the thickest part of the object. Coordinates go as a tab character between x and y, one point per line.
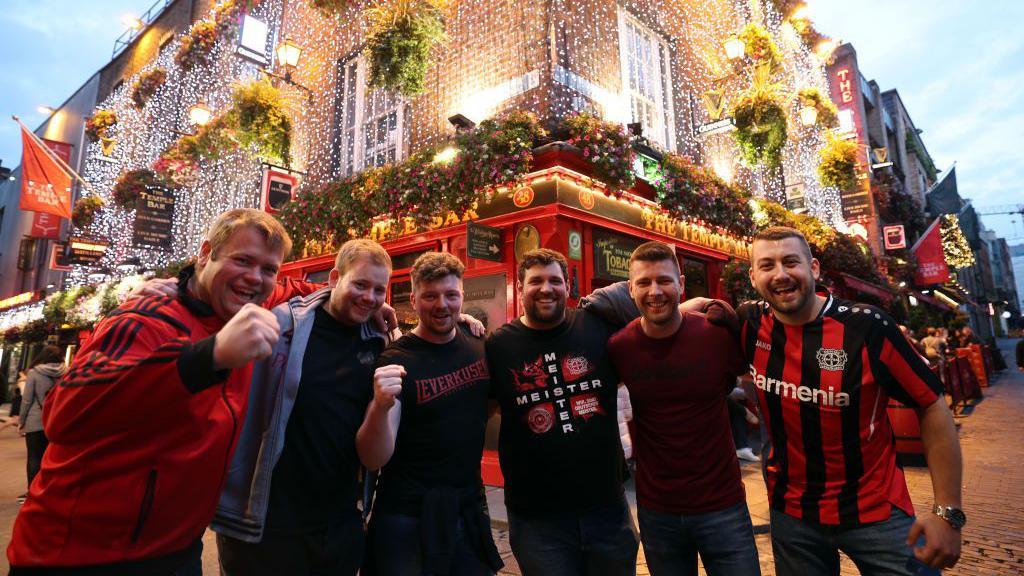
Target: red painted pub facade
558	207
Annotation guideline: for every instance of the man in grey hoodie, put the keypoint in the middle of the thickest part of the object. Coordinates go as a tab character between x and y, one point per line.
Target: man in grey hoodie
47	367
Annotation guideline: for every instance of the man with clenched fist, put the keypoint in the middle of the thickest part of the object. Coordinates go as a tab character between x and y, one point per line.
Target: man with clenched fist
289	501
425	426
143	424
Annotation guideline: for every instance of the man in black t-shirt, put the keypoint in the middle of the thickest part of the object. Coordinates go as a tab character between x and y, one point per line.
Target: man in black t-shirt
426	426
289	504
559	441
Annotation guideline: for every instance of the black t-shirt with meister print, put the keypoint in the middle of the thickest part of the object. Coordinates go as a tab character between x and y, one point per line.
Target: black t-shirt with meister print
444	417
559	445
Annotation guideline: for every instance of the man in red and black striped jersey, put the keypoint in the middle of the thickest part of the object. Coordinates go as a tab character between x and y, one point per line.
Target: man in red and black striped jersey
824	369
142	427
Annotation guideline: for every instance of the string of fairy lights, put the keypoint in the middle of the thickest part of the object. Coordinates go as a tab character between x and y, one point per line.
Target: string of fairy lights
552	57
140	136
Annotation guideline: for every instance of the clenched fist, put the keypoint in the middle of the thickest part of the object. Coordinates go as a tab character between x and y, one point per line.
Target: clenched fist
387	385
249	335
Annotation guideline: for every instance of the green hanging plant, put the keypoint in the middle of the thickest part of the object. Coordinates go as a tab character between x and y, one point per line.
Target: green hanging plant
400	42
761	129
259	119
99	124
606	145
837	164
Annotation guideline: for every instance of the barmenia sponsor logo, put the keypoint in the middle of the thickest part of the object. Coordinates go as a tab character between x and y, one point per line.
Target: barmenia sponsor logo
801	393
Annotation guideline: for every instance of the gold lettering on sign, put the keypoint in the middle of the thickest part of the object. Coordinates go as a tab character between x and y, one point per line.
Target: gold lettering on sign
661	224
383	230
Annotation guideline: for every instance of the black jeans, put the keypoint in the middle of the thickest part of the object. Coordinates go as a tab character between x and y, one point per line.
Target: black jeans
36	444
334	551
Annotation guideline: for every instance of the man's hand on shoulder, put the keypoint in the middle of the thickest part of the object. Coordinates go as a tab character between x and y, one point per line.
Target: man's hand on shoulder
385	320
250	335
155	287
475	326
718	312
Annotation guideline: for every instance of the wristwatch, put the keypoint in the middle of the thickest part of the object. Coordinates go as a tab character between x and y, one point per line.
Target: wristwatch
954	516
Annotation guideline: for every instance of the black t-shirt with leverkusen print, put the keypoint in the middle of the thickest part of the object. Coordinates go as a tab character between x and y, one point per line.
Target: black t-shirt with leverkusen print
559	443
444	416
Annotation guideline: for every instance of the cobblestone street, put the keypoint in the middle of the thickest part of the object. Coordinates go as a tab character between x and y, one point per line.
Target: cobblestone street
992	437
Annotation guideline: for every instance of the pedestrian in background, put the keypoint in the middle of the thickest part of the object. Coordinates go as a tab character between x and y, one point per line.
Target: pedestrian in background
43	373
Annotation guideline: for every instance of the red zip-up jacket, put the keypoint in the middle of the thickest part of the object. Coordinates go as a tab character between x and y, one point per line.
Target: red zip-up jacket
141	430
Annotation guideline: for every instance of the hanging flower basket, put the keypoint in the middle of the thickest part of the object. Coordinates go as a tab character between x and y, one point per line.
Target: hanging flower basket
179	165
837	164
760	129
259	120
400	42
130	186
84	212
99	124
147	84
758	45
197	46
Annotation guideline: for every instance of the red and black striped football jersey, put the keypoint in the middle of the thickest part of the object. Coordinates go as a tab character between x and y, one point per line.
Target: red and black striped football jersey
823	388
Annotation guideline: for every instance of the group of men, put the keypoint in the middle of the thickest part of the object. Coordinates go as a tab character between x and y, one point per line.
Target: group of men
233	399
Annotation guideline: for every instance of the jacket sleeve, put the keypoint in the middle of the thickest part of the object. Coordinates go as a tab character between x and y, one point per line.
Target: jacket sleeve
28	397
612	304
137	372
288	288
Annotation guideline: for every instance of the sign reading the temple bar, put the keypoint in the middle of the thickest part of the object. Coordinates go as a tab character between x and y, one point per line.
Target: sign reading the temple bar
483	242
154	218
85	251
895	237
611	254
278	189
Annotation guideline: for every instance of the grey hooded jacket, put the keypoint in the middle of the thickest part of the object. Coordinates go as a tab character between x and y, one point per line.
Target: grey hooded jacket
37	385
242	511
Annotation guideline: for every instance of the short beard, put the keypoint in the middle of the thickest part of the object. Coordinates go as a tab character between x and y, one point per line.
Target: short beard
535	316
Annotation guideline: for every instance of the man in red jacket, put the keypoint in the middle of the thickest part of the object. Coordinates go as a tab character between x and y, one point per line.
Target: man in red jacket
143	425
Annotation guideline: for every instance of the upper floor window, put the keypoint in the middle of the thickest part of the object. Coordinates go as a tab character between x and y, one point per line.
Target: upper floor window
647	79
371	121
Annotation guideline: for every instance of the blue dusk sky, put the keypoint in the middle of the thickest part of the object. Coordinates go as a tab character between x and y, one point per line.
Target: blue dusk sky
958	65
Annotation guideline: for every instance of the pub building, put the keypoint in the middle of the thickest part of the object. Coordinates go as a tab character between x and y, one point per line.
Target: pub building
561	207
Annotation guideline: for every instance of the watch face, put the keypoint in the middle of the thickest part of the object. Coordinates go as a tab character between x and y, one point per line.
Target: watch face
954	516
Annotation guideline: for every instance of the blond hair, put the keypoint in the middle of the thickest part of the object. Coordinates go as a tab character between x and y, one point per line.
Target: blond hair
225	225
360	247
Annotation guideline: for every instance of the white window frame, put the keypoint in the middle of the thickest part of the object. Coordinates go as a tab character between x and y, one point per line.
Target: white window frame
355	153
656	100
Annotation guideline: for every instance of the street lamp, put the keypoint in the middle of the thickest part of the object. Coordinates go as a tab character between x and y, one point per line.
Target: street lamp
734	48
808	115
200	114
288	53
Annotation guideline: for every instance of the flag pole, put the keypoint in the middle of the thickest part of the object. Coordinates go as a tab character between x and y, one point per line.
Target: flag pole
53	156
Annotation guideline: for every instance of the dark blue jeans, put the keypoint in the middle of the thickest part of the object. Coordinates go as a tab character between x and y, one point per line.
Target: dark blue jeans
395	545
598	543
724	539
878	549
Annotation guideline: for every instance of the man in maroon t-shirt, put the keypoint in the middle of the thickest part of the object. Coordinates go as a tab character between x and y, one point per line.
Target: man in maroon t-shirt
679	369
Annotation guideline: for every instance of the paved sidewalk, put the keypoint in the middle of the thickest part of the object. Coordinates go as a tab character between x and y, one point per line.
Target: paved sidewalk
992	437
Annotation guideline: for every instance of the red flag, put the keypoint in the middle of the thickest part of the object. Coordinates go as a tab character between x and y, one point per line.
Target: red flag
45	185
931	260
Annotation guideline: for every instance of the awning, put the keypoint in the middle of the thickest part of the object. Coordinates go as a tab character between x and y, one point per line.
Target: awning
865	287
